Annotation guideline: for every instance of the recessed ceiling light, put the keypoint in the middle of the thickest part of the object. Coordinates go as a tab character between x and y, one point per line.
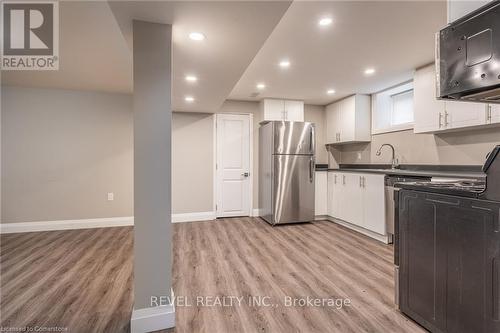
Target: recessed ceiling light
325	21
261	86
189	99
284	64
191	78
197	36
370	71
330	91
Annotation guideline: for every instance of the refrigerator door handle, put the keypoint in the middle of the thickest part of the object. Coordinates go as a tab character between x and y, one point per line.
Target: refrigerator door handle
311	168
312	143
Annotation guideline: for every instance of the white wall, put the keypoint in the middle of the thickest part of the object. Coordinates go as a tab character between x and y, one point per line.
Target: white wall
456	148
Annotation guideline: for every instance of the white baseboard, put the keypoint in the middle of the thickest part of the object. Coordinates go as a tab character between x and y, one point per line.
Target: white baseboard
192	217
153	319
381	238
8	228
256	212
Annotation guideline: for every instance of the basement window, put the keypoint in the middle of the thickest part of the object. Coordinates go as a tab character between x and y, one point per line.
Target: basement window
392	109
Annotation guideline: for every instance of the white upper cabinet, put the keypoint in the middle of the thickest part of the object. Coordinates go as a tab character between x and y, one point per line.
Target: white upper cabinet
464	114
348	120
493	114
294	110
279	109
460	8
428	111
432	115
273	109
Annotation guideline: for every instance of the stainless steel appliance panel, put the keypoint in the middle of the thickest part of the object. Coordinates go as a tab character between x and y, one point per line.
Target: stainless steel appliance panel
266	171
293	138
293	188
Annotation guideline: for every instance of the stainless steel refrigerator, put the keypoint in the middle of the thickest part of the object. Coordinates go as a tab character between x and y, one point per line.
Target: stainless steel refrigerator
286	171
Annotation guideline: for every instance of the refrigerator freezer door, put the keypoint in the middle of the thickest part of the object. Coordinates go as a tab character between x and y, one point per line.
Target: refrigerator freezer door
293	189
293	138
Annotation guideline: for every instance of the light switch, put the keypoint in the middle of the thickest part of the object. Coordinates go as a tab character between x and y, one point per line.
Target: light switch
111	196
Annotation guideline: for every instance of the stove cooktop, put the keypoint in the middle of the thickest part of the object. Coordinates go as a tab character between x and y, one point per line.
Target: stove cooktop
464	188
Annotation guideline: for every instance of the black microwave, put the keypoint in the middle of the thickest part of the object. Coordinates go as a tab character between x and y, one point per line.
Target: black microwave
468	57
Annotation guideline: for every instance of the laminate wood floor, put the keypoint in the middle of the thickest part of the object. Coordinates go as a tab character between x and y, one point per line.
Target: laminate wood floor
82	279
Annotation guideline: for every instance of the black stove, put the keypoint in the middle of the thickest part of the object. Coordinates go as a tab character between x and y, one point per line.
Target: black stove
471	188
447	251
487	188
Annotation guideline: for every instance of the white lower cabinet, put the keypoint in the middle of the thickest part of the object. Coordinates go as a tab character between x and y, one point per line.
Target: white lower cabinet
494	113
374	203
321	193
358	199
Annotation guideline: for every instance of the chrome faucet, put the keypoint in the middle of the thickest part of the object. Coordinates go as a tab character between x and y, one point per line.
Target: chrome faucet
395	163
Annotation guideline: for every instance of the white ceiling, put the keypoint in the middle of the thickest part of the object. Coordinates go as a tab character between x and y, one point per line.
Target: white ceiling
235	31
245	41
92	51
393	37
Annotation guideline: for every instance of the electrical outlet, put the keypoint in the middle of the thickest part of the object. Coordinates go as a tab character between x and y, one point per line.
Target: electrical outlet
111	196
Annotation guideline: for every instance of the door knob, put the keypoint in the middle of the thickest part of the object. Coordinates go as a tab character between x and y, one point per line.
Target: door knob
246	174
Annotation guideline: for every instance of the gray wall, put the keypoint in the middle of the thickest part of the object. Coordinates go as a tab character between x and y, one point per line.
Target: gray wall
78	147
462	148
152	161
192	162
62	152
316	114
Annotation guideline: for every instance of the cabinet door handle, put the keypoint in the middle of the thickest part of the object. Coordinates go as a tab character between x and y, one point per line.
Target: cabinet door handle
360	181
489	113
343	179
440	119
446	119
364	182
335	179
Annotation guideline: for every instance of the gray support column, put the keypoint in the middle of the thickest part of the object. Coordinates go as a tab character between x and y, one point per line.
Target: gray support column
152	53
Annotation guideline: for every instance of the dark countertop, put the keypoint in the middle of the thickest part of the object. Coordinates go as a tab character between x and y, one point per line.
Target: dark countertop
454	171
321	167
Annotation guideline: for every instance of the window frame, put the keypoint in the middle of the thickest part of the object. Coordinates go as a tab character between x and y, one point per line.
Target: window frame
401	88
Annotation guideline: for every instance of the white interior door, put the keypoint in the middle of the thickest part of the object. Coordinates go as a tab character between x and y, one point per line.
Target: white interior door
233	165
